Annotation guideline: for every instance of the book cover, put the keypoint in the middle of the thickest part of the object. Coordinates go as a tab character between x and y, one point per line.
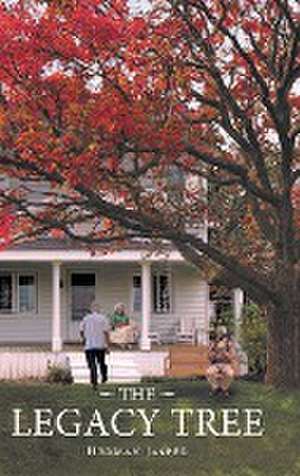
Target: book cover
149	238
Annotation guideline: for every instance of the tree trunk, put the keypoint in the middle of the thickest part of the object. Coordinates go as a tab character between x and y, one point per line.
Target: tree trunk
283	353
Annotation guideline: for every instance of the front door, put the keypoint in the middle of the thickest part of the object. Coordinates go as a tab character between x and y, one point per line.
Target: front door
82	294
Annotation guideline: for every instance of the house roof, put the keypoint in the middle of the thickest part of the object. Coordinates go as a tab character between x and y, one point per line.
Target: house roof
46	244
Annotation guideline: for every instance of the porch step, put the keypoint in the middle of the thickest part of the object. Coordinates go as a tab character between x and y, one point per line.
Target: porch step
120	370
187	361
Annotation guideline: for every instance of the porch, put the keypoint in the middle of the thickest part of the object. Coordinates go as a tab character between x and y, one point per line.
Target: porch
45	294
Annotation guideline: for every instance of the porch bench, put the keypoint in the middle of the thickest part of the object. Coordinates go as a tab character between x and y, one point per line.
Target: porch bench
186	360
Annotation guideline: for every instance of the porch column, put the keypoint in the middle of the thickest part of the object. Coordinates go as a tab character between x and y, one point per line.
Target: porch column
145	343
56	341
203	334
238	302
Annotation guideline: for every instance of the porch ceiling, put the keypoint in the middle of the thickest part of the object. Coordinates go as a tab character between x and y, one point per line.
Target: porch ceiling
64	256
51	250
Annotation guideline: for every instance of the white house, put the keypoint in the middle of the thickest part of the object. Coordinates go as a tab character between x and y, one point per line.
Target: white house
48	285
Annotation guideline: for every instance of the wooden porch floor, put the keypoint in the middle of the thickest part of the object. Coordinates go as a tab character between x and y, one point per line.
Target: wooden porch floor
76	347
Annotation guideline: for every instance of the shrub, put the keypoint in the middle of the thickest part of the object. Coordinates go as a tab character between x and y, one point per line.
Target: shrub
254	339
226	319
59	374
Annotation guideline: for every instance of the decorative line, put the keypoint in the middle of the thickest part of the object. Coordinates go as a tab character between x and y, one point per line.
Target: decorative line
106	394
167	394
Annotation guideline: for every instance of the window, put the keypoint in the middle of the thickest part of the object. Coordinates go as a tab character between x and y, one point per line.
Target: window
137	294
83	288
161	293
26	293
18	292
6	292
83	280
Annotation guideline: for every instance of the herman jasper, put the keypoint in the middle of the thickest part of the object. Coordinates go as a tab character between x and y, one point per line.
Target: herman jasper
127	422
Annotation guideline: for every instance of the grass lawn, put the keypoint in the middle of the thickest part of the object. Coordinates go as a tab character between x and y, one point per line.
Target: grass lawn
277	453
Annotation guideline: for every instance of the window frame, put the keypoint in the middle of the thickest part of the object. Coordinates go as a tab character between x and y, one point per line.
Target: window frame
72	271
35	288
153	274
4	312
135	275
15	309
158	274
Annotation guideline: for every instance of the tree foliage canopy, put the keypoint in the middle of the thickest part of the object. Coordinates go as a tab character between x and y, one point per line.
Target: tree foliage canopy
127	117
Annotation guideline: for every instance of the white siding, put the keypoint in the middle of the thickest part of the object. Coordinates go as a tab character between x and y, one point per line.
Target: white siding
34	327
192	297
122	366
28	327
189	301
23	365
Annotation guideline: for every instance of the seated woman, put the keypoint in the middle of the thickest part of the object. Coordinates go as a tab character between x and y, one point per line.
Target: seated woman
221	371
124	330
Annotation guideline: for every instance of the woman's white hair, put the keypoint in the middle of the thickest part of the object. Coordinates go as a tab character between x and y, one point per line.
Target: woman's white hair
117	306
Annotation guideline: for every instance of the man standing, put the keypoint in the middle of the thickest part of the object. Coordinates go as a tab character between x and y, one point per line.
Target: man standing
94	331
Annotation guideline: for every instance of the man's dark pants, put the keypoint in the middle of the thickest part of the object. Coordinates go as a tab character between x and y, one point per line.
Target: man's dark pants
94	356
